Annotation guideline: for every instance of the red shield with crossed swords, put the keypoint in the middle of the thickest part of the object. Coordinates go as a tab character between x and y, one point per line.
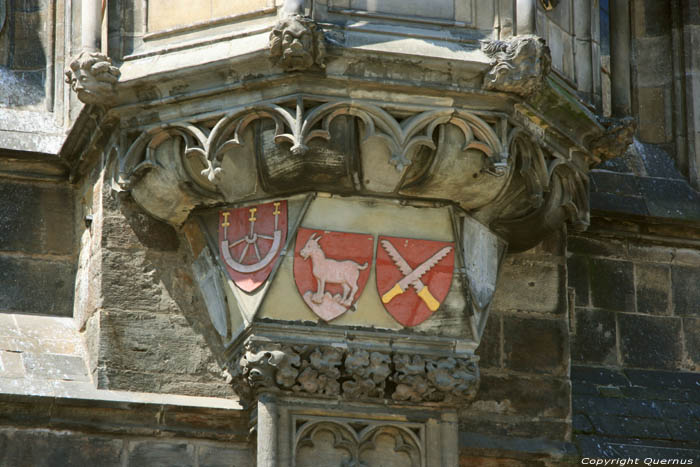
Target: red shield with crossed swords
331	269
413	277
250	241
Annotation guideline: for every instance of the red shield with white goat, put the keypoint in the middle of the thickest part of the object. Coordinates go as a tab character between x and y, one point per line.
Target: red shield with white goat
331	269
251	240
413	277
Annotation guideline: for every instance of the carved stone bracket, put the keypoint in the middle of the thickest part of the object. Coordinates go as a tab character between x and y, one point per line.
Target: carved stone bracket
93	77
518	65
354	374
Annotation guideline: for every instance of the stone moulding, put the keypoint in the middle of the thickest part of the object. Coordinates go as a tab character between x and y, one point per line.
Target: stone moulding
93	78
353	374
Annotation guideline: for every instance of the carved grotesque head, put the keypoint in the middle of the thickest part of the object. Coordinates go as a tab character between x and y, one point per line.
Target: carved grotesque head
297	43
519	64
92	76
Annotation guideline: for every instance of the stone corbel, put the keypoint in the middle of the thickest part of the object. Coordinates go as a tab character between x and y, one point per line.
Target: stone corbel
519	65
93	78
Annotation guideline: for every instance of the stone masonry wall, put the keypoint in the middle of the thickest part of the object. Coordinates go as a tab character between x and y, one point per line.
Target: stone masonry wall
36	247
636	340
525	388
145	326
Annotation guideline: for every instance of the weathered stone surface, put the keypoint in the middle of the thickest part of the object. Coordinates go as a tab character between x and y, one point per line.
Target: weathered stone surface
519	64
612	284
489	350
50	282
36	218
691	330
530	285
297	43
535	345
216	456
595	338
653	288
154	352
534	396
685	290
63	367
650	342
578	278
161	453
41	448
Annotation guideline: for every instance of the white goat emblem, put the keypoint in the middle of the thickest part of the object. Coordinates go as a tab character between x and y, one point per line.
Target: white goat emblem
330	271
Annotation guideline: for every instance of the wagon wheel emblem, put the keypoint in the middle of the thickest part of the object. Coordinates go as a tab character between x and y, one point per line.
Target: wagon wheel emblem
251	240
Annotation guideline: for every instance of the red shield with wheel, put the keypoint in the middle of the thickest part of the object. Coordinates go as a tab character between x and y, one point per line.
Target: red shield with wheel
251	240
331	269
413	277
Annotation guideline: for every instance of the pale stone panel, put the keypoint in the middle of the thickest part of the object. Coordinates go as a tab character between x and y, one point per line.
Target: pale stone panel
227	7
164	14
441	9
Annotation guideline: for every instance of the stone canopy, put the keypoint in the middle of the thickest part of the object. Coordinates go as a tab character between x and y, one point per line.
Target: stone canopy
491	162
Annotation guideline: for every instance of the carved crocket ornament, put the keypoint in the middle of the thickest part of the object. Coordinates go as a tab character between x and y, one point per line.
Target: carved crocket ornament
93	77
518	65
297	43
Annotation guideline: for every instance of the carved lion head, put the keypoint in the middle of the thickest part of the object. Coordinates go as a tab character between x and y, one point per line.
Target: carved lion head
297	43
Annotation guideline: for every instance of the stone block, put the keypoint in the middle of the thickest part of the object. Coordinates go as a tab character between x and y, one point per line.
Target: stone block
535	345
691	331
685	290
615	203
612	284
650	341
489	350
36	218
652	112
653	288
592	246
595	338
578	277
654	66
629	427
153	343
133	228
218	456
36	286
509	427
532	286
11	365
154	453
49	366
43	448
130	283
657	18
528	396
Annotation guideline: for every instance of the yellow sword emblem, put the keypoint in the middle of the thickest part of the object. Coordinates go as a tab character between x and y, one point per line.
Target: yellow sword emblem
412	276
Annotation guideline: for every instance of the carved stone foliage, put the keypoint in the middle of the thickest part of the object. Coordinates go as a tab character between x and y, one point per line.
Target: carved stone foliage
354	374
360	444
93	77
297	43
518	65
